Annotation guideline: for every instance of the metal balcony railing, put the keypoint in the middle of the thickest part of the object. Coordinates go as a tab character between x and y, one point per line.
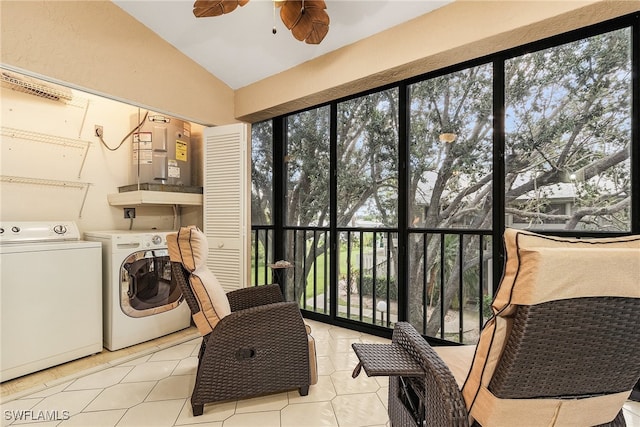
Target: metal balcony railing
449	276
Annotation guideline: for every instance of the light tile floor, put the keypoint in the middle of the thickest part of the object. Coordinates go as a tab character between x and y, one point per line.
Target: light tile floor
152	388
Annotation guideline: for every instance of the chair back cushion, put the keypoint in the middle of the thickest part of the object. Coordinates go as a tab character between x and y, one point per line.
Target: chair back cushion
538	270
189	246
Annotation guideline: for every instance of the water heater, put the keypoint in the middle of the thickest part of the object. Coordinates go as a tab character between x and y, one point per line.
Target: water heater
161	152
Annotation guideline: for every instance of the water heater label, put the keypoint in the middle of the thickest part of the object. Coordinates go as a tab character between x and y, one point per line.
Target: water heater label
142	148
173	169
144	137
181	151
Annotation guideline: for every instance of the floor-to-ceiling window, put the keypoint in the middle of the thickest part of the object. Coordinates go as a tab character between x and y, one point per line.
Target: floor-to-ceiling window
367	207
568	135
450	195
307	208
393	202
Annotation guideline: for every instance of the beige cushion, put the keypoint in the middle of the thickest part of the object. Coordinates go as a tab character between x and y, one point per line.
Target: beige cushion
189	246
544	268
458	359
495	412
172	245
193	247
313	360
540	269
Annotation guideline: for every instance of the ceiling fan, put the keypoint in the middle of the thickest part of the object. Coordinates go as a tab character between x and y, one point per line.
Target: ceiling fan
307	19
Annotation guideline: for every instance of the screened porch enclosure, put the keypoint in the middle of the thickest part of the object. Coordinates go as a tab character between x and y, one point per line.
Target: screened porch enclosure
390	205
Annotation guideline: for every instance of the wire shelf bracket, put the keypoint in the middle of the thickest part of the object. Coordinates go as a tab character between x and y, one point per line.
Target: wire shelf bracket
49	139
51	182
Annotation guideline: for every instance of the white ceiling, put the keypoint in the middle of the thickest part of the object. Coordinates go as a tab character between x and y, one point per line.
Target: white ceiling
239	48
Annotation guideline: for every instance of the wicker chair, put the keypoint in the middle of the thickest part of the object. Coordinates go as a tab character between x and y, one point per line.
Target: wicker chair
261	346
561	349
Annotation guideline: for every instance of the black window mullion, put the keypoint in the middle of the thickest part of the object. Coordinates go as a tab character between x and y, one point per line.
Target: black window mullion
279	185
481	280
279	191
333	210
635	126
498	168
403	203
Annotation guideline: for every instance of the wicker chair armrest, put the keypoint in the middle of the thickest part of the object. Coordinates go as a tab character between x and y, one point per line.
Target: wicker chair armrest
255	296
444	404
261	325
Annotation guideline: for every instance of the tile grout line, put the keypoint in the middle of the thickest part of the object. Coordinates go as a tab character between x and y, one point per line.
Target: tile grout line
109	364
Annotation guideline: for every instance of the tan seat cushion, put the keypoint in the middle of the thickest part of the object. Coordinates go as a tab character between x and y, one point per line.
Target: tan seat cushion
458	359
313	360
191	249
540	269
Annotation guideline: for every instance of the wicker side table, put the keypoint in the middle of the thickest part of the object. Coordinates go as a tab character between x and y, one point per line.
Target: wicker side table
393	361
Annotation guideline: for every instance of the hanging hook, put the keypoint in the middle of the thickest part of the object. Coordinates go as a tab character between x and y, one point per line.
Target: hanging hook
274	18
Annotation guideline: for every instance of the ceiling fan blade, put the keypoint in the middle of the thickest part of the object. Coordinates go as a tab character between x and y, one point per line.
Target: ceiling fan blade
311	24
290	12
318	33
206	8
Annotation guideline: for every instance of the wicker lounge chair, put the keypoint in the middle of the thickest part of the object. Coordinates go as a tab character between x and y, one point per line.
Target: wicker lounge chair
562	348
253	342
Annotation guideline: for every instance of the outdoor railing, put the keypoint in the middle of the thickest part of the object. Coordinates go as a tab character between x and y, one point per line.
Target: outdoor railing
449	274
261	255
450	282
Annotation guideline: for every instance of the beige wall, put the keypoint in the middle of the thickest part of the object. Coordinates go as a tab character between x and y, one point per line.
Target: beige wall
117	56
95	45
455	33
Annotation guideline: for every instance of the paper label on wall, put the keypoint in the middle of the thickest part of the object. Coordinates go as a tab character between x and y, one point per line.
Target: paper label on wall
181	151
173	169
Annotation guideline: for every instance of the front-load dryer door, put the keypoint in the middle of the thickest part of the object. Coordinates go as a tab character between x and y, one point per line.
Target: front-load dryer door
146	287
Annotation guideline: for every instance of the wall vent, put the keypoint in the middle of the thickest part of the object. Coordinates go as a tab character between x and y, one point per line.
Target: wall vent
33	87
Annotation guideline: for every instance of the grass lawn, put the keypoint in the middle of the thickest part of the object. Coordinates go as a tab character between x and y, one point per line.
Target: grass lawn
319	270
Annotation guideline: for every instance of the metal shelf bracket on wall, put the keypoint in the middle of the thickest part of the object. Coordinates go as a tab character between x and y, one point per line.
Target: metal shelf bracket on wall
49	139
51	182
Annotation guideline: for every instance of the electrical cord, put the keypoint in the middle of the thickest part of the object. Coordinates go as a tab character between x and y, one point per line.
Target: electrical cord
125	138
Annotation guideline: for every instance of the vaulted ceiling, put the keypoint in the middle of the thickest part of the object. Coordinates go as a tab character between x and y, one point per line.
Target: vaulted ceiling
239	47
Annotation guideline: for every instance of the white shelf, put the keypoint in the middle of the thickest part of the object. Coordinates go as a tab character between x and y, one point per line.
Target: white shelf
146	197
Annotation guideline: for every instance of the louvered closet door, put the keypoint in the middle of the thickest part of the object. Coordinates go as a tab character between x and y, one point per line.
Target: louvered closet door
226	203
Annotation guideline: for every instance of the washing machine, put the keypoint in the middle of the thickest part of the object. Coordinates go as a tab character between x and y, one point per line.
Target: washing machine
140	300
50	297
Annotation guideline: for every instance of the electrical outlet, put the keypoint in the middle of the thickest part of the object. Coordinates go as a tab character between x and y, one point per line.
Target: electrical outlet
129	213
98	130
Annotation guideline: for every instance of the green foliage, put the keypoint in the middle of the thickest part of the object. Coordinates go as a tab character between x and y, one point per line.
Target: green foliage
487	300
381	287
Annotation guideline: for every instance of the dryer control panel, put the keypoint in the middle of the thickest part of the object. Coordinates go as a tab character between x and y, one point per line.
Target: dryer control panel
141	240
155	240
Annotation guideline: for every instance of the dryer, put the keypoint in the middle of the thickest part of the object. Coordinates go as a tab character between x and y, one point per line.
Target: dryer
140	300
